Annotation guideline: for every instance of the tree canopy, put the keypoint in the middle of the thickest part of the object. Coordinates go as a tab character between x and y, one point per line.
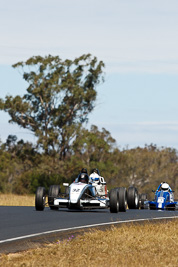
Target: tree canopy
59	98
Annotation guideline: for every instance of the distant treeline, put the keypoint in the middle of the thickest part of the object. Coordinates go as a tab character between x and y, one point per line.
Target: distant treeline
23	168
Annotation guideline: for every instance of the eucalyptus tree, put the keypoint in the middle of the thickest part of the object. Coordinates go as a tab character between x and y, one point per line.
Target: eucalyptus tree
59	97
93	147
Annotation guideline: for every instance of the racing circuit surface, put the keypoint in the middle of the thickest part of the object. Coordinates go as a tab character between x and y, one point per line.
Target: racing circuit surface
24	227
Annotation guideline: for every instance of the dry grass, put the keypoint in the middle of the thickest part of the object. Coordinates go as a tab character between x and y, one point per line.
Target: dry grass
17	200
137	245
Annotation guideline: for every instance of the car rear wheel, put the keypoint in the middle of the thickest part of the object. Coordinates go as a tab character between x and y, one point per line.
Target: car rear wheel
122	198
132	198
54	192
114	200
40	198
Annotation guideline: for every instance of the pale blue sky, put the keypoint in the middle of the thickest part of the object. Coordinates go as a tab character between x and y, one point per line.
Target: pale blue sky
138	42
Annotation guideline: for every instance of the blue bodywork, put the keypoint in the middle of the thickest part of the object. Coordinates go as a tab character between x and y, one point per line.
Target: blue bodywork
163	200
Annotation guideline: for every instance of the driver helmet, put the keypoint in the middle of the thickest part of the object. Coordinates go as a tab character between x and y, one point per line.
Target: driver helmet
83	170
83	178
94	177
164	187
95	170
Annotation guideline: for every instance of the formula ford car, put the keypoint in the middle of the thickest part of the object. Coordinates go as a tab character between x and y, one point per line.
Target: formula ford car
163	199
80	195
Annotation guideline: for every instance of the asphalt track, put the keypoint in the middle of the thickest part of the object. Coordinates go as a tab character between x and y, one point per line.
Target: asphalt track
24	227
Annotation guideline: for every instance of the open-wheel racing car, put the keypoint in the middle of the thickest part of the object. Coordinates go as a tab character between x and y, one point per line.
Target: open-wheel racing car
83	195
163	199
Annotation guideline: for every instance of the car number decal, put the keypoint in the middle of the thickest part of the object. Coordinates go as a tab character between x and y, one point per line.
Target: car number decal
76	190
160	199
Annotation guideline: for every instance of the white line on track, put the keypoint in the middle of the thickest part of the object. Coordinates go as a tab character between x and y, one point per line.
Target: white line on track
85	226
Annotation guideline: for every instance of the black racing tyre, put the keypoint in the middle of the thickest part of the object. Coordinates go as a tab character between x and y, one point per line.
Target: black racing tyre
132	198
143	197
114	200
40	198
122	198
54	191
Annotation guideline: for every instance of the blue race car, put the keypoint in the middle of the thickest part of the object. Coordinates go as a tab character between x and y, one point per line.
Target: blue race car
163	200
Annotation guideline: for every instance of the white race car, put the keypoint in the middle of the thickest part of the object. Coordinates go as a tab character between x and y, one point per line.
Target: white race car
81	195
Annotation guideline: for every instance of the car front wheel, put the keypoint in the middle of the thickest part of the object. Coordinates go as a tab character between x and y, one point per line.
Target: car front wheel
40	198
132	198
54	192
114	200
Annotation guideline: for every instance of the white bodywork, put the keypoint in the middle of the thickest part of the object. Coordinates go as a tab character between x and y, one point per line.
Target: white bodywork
101	189
160	202
99	183
76	191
